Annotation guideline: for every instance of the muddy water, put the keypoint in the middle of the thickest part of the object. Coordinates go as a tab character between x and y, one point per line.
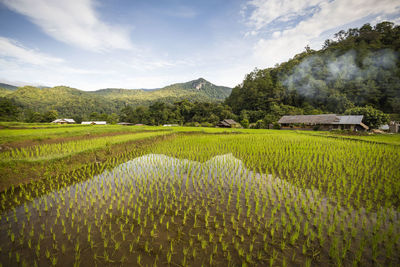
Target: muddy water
48	229
160	210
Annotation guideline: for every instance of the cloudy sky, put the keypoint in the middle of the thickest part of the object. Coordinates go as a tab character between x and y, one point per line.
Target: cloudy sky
93	44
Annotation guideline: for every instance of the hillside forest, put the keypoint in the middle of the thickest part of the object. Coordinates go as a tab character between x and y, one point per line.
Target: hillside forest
356	72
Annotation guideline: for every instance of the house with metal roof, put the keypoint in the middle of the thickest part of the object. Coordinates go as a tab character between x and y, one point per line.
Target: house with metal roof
94	122
64	121
323	122
228	123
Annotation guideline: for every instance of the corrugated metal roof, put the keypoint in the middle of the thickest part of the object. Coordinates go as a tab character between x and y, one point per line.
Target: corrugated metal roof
309	119
230	121
384	127
224	123
94	122
64	120
323	119
350	119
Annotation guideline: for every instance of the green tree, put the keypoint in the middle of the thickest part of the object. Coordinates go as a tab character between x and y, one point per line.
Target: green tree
259	124
78	119
94	116
338	103
9	110
214	119
269	119
103	117
112	119
373	118
227	114
244	114
34	117
50	116
245	123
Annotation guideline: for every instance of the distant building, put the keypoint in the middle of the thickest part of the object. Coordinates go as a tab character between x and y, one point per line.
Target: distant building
170	125
228	123
394	127
384	127
124	123
64	121
323	122
94	122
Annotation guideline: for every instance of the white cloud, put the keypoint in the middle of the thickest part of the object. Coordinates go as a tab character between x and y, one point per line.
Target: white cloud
21	65
266	12
73	22
328	15
12	49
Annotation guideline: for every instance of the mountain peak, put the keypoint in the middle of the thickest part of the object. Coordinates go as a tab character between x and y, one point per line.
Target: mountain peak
199	83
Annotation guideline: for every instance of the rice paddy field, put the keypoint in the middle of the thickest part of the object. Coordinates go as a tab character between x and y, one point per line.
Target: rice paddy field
162	196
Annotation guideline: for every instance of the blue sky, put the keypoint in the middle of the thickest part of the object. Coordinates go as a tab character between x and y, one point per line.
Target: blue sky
93	44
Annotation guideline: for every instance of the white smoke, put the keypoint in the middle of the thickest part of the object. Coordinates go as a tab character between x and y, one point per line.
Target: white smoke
318	72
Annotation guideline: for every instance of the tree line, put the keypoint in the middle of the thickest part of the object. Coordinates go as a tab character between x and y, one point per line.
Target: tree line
181	112
187	113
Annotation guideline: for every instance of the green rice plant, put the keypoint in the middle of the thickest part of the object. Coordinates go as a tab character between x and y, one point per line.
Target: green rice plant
47	253
194	253
273	258
54	261
308	262
169	256
117	246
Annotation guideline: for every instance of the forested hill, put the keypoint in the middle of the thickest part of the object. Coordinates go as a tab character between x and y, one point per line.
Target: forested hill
73	102
196	90
8	87
358	67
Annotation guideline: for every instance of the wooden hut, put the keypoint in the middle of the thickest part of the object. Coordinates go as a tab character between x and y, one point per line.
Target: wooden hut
228	123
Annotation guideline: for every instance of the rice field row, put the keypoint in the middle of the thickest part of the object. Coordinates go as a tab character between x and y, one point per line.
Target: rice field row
59	131
352	173
63	149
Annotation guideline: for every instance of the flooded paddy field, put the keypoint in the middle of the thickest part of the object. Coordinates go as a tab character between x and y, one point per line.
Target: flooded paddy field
215	200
